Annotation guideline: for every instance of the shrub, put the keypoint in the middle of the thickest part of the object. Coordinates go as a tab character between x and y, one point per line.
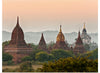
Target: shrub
33	54
43	56
26	67
27	58
71	65
60	53
7	57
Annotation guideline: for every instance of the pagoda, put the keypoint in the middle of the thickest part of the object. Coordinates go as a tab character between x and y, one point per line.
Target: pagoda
17	46
85	37
42	43
60	41
79	48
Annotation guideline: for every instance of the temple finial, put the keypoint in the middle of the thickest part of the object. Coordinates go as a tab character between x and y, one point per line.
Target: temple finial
84	25
42	34
60	29
79	33
17	20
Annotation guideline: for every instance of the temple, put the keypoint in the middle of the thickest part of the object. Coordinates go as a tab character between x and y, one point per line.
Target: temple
79	48
42	43
17	46
60	41
85	37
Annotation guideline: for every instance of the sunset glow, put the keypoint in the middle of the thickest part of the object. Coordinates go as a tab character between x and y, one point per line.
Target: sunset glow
41	15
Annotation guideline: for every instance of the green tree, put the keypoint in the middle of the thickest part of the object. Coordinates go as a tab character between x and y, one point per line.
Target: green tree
33	54
76	64
87	47
7	57
92	54
26	67
4	44
60	53
43	56
27	58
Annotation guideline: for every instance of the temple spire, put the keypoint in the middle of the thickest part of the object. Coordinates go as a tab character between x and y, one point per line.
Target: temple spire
17	20
60	29
79	33
84	25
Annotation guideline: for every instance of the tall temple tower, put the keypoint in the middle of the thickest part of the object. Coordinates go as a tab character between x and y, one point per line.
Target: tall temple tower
79	48
60	41
17	46
85	37
42	43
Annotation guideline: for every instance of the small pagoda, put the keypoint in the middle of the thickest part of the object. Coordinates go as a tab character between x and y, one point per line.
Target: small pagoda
79	48
42	43
17	46
85	37
60	41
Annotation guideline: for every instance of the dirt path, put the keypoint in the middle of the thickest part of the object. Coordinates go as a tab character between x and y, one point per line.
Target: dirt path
17	66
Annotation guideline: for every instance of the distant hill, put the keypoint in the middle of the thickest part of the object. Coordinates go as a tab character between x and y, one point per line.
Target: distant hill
34	37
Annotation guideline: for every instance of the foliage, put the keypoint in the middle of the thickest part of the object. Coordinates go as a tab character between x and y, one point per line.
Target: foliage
33	46
71	65
26	67
87	47
33	54
60	53
27	58
92	54
7	57
8	62
43	56
4	44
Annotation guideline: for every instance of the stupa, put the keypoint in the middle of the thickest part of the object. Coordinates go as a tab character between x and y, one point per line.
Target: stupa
17	46
60	41
79	48
42	43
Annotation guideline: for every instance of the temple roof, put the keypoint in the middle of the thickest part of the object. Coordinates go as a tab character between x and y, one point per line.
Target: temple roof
84	29
84	34
60	36
42	41
79	40
17	38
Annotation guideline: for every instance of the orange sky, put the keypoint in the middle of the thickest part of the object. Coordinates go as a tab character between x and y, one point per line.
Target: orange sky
41	15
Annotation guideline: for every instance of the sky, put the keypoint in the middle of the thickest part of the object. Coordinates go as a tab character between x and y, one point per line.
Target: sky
42	15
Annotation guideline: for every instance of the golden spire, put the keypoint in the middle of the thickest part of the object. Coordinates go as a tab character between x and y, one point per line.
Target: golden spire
84	25
60	29
60	36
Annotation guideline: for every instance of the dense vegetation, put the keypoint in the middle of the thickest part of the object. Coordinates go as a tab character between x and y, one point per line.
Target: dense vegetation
58	60
71	65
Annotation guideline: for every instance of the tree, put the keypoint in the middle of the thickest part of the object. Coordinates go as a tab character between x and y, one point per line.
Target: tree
27	58
87	47
92	54
7	57
4	44
26	67
33	54
60	53
43	56
76	64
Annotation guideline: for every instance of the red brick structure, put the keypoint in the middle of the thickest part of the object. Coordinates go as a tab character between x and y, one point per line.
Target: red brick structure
60	41
42	43
17	46
79	48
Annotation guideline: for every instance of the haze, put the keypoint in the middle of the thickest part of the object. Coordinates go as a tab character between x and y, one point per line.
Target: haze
42	15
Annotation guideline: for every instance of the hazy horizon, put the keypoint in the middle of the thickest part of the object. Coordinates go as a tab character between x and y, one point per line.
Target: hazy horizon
42	15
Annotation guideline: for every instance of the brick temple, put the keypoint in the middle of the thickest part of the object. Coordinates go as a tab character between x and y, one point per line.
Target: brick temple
79	48
60	41
42	43
17	46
